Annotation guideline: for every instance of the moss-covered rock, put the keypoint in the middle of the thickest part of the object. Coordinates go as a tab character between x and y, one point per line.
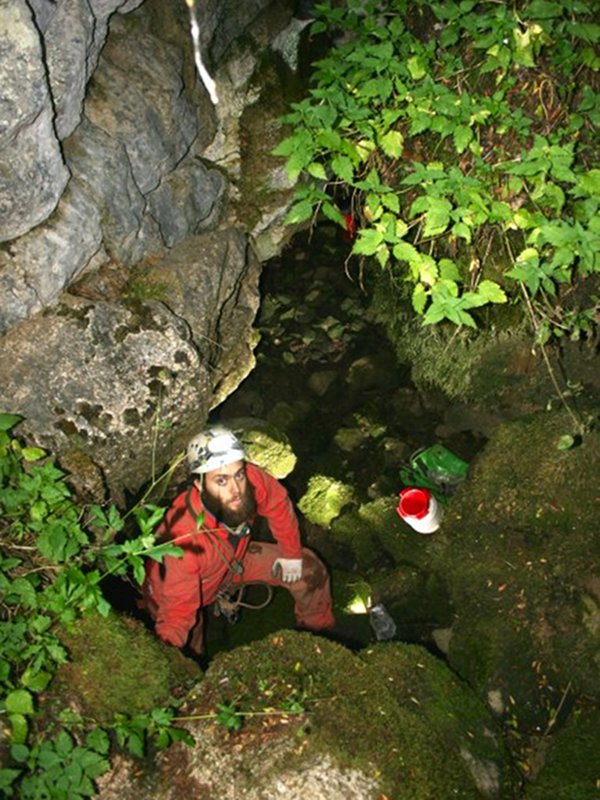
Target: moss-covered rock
116	667
394	712
265	445
492	367
324	499
520	552
571	770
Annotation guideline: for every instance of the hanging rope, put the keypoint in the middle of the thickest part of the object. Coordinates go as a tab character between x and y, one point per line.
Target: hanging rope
208	82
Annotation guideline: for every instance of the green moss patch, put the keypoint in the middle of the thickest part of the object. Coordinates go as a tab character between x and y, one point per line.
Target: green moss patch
116	666
520	550
394	711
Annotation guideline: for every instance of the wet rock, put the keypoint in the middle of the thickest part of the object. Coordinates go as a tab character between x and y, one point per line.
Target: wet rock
320	382
265	445
285	415
324	499
370	372
349	439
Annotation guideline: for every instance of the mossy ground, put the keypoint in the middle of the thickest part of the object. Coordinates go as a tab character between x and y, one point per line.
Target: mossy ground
573	768
520	548
393	711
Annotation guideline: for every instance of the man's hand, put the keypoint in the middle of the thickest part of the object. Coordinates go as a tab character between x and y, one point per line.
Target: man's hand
291	569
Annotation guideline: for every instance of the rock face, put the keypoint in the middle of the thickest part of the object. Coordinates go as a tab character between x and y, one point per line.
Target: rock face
34	175
110	378
112	162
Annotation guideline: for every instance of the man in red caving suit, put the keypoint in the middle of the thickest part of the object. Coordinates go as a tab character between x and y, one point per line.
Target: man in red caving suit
211	521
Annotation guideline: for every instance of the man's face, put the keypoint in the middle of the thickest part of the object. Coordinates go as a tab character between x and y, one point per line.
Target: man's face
227	494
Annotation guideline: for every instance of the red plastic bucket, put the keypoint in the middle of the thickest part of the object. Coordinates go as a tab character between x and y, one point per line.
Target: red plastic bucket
419	509
414	503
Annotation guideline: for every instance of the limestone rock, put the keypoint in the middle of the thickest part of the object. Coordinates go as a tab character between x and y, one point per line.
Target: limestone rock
188	200
136	97
32	172
100	163
33	268
124	380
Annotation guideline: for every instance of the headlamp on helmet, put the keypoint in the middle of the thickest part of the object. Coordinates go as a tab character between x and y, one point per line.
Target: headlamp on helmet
213	448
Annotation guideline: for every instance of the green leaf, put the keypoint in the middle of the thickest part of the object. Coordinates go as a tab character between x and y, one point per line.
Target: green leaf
342	167
32	453
589	182
7	778
8	421
36	681
19	701
416	67
26	593
448	270
404	251
565	442
368	242
391	202
383	255
317	170
20	753
544	9
419	298
392	143
299	212
491	292
333	213
462	230
437	216
19	728
462	136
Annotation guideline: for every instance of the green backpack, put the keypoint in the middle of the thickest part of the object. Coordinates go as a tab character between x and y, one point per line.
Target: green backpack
435	468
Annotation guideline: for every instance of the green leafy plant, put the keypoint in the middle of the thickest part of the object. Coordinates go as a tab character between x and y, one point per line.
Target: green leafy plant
134	733
59	767
460	134
54	556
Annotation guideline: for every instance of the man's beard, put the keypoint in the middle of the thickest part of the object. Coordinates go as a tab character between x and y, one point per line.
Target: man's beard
245	513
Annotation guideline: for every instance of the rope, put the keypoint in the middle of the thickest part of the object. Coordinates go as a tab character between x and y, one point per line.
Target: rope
229	604
211	86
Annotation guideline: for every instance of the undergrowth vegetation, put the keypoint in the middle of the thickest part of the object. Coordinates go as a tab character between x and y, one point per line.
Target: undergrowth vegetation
54	555
461	139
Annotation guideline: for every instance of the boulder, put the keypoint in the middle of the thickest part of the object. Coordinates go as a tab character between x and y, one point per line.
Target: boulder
124	380
294	715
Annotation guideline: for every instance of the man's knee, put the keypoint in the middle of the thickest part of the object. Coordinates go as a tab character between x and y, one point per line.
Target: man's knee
314	573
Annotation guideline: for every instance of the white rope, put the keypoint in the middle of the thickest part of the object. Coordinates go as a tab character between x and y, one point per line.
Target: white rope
206	79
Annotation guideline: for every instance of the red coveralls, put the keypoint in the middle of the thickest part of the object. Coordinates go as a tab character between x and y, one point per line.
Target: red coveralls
175	590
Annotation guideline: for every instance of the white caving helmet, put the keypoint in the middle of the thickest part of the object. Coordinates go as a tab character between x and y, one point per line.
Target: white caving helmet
214	447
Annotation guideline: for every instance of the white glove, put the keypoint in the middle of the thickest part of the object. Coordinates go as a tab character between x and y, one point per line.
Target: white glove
291	569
